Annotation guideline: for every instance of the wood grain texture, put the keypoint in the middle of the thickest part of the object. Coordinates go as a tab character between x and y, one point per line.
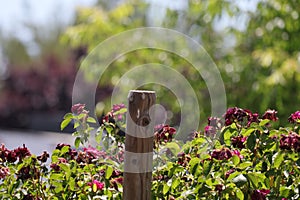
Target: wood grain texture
138	141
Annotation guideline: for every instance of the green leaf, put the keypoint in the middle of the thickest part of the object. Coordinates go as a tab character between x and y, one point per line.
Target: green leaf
194	165
248	132
108	172
65	123
76	124
173	147
20	166
167	186
277	159
54	158
82	115
199	141
227	136
218	145
293	156
235	160
68	116
98	135
251	142
64	150
204	156
256	178
285	191
211	182
77	142
239	180
109	129
207	167
175	183
233	126
244	165
233	175
239	194
58	188
264	122
71	183
94	187
56	176
65	167
273	133
91	120
202	188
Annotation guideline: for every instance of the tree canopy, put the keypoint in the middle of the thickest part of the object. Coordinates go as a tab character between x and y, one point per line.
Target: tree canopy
258	63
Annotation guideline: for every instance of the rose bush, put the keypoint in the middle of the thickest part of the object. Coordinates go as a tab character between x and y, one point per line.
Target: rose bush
239	157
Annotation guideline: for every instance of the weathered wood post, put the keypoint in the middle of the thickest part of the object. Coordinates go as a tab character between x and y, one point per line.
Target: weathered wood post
139	145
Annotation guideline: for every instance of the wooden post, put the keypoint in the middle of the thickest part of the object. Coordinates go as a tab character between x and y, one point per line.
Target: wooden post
139	145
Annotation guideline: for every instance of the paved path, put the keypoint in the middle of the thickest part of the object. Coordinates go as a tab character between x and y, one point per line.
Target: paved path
37	142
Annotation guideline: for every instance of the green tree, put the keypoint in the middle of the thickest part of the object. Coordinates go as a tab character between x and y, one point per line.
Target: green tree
266	57
93	25
259	64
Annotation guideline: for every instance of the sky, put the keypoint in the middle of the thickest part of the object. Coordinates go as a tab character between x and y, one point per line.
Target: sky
16	13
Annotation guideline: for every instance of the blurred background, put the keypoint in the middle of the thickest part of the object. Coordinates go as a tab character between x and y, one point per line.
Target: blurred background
254	43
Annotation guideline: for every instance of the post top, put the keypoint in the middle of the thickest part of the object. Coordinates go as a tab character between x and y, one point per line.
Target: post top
141	91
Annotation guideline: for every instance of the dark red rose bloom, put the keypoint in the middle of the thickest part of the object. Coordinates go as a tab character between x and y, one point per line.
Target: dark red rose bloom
78	108
221	154
252	117
30	197
22	152
118	180
24	173
3	153
238	141
260	194
84	157
4	171
295	117
94	153
108	118
43	157
165	134
61	145
289	142
240	115
183	159
55	167
114	182
73	153
219	188
296	142
116	173
285	142
271	115
11	156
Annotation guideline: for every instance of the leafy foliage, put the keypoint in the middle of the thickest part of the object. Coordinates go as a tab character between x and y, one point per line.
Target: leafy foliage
244	159
261	42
